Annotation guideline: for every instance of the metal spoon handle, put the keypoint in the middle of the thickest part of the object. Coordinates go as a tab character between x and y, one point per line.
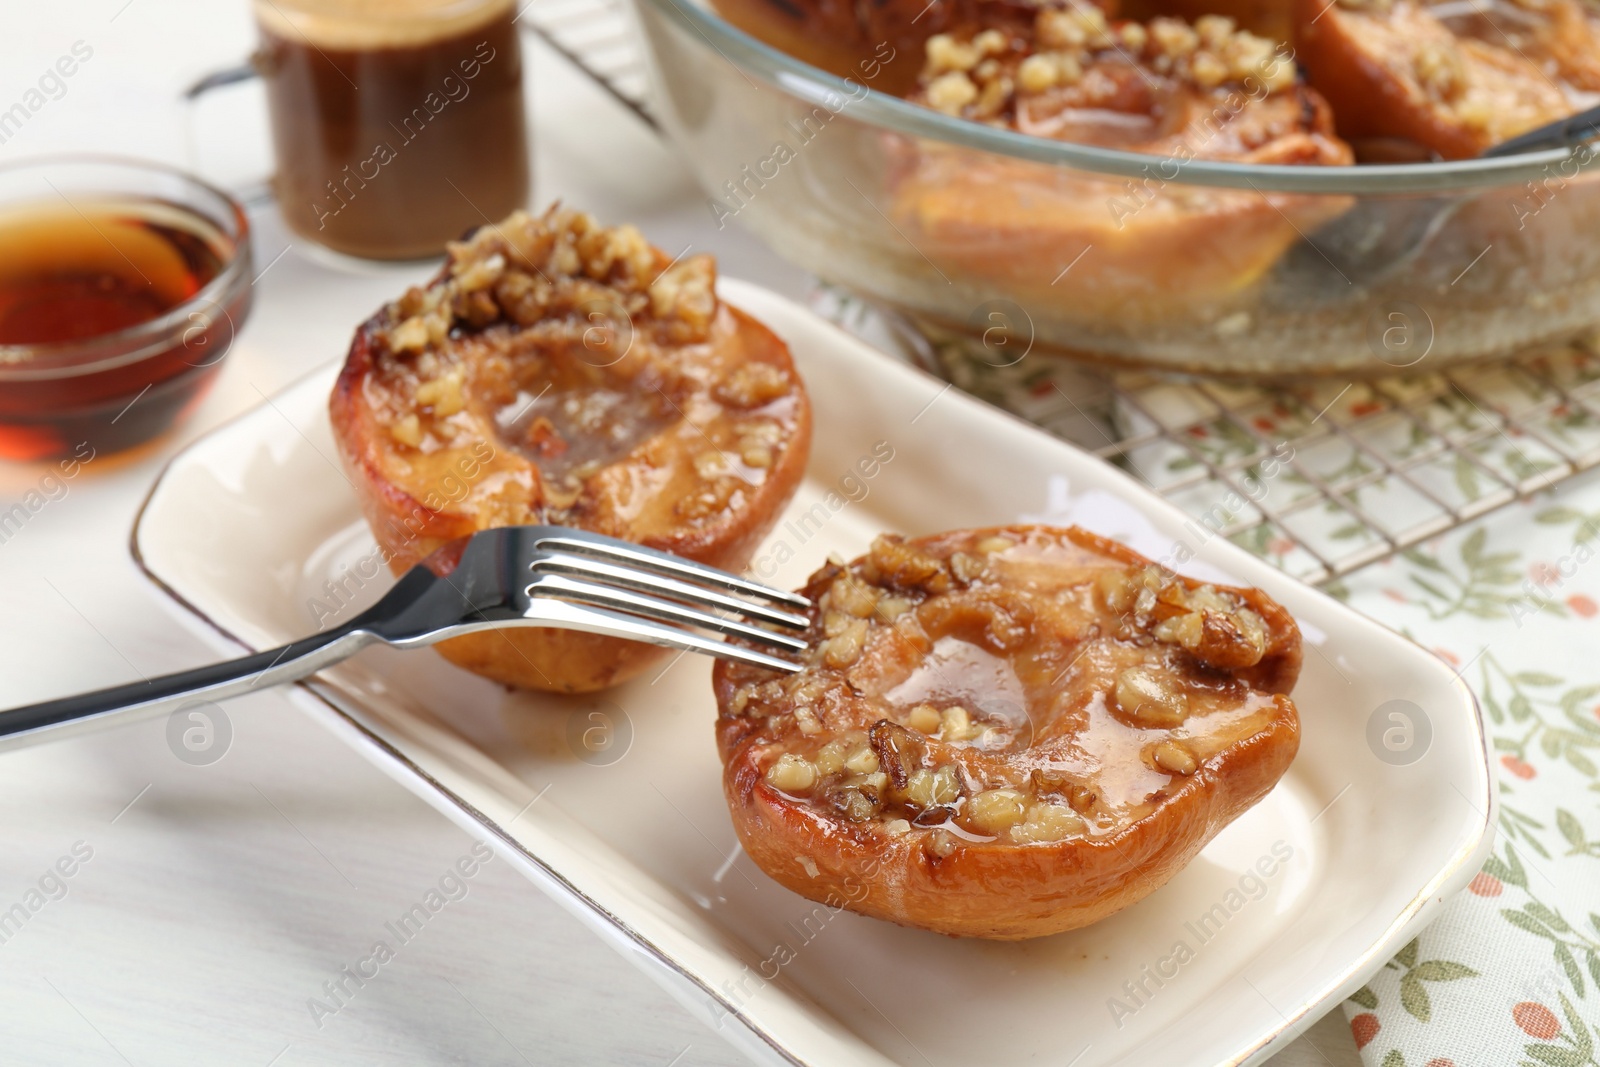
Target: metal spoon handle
1562	133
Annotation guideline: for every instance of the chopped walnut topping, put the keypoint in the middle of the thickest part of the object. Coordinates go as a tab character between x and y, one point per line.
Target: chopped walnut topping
845	647
991	42
993	96
1149	700
857	804
1047	822
443	394
1440	70
980	77
1172	39
408	430
1077	27
862	761
710	500
955	724
758	441
853	596
472	275
924	718
1215	627
792	774
931	789
1207	70
945	53
414	332
1043	71
891	608
685	291
830	760
1079	796
806	720
941	844
1187	630
753	384
894	563
967	568
1476	111
1174	758
709	465
562	264
951	92
997	810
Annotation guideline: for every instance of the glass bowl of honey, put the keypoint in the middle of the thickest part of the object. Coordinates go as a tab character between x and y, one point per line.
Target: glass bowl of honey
122	286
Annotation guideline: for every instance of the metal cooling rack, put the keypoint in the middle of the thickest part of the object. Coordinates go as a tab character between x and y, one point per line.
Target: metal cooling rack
1327	478
597	36
1322	479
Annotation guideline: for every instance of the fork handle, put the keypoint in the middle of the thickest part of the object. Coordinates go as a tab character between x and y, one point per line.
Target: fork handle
217	681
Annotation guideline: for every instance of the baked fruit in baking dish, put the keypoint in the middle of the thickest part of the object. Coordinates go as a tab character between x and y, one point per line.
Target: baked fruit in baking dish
1454	78
877	42
1152	246
1006	733
561	372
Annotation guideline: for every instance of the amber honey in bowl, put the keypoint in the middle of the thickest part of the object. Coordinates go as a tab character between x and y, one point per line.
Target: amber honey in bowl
72	275
115	312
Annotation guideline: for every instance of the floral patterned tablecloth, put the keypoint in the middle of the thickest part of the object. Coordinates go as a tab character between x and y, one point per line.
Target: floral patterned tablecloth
1509	974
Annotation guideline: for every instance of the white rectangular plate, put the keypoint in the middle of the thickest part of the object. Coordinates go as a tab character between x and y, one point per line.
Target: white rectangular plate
613	802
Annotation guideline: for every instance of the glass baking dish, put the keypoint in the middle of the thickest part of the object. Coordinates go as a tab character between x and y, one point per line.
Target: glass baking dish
1028	244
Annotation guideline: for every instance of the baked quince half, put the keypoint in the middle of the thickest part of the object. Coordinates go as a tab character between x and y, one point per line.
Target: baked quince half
1154	245
561	372
1006	733
1454	78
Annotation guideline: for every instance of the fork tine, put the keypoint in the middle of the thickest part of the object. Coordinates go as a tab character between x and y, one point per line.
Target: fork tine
567	615
585	543
605	596
631	577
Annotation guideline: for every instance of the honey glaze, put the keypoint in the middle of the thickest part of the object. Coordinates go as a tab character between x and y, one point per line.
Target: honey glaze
957	673
1111	752
576	432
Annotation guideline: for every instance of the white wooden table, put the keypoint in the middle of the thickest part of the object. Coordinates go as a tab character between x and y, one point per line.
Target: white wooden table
218	899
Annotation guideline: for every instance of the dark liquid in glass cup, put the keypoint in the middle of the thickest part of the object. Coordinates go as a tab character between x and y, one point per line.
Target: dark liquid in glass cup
398	125
121	289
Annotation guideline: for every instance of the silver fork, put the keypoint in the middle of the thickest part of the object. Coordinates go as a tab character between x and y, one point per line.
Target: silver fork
541	576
